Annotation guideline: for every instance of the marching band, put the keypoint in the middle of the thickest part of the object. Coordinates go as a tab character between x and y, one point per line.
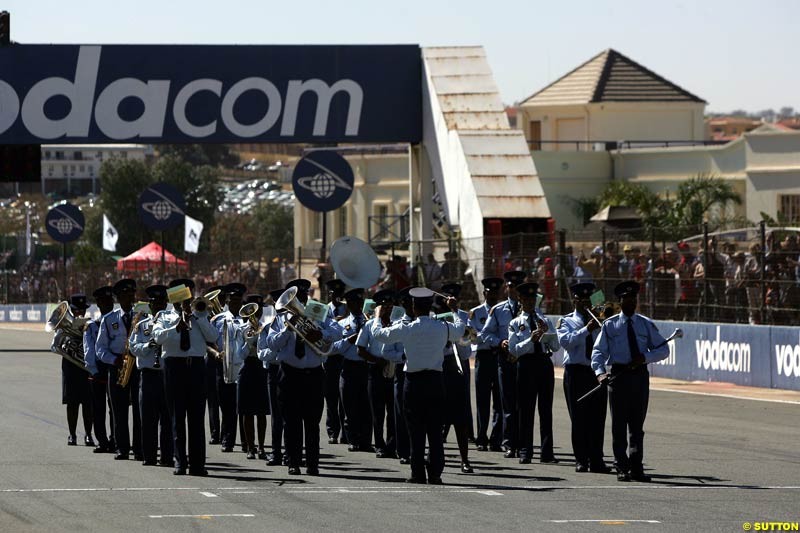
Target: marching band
395	376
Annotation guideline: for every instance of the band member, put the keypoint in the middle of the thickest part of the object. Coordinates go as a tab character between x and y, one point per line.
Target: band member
380	380
182	334
253	394
487	384
458	409
300	382
104	298
226	392
75	386
270	359
627	342
112	342
212	366
152	396
333	366
577	332
354	378
402	437
423	340
535	375
495	335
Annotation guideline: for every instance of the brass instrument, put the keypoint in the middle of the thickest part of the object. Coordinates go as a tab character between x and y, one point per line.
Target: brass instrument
129	361
470	337
303	325
248	312
214	305
355	262
601	313
68	342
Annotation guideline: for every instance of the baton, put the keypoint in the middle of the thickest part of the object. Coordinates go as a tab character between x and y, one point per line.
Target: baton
677	334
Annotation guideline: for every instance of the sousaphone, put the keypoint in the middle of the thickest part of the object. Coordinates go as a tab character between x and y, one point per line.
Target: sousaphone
355	262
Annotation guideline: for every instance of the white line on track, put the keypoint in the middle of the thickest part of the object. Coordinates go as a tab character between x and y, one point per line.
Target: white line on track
209	494
605	521
201	516
718	395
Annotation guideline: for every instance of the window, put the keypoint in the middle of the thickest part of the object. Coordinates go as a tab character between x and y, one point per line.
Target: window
535	135
47	154
380	221
78	156
789	207
99	156
64	168
59	155
91	170
82	168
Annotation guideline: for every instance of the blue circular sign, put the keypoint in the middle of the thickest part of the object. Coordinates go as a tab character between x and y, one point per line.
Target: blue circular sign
161	207
64	223
322	181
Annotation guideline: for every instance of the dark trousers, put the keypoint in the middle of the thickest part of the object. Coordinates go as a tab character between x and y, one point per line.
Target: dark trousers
588	417
100	401
186	399
121	399
301	399
507	376
535	383
487	390
424	409
628	396
155	416
357	417
400	427
467	375
226	392
275	410
381	401
335	408
212	399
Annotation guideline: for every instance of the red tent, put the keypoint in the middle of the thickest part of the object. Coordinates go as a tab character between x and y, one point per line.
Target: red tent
149	258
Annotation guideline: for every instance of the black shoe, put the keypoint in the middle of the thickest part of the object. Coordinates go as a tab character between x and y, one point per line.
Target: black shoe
623	476
88	440
510	454
466	468
524	460
202	472
602	469
294	470
138	457
368	448
72	440
214	440
482	448
580	467
405	460
251	454
383	454
262	455
285	460
551	460
333	440
148	463
162	463
495	448
312	471
102	449
353	448
227	449
179	471
275	460
435	481
641	477
121	457
416	480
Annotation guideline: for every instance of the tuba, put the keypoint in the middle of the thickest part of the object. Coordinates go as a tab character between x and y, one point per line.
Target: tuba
70	334
355	262
303	325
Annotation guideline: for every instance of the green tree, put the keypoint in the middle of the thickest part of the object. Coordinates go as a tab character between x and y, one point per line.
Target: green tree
274	225
701	199
215	155
645	201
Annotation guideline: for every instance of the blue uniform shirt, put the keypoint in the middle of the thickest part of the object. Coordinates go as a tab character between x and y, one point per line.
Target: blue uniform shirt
572	333
112	336
348	326
477	319
141	345
390	351
282	340
611	346
336	311
519	335
89	341
267	356
496	329
424	340
166	334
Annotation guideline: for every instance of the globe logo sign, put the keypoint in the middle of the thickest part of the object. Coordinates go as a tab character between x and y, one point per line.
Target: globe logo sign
64	223
322	180
161	207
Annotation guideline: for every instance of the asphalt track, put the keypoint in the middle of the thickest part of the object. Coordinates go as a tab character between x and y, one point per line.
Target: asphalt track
716	461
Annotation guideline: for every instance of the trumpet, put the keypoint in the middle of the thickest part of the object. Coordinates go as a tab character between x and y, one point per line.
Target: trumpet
248	312
303	325
214	305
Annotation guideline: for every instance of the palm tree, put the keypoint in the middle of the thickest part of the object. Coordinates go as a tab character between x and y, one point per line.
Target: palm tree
698	198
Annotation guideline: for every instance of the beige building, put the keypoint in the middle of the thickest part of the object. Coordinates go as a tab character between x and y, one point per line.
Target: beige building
608	99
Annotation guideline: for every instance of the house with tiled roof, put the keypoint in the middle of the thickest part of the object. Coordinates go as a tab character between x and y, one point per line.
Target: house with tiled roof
607	99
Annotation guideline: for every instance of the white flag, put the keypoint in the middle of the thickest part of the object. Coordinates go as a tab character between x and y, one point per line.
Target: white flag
191	235
110	235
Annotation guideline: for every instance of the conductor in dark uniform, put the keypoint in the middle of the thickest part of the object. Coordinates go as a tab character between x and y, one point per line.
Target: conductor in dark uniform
627	342
577	332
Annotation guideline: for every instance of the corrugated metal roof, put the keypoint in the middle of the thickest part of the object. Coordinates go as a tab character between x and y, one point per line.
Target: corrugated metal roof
610	77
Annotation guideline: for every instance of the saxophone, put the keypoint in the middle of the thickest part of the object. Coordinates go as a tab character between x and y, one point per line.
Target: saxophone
129	361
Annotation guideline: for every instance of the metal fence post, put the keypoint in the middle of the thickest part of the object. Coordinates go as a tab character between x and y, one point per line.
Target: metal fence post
603	257
705	299
762	271
651	294
562	267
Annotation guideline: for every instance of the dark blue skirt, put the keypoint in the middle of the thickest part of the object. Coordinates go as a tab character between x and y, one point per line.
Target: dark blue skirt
252	395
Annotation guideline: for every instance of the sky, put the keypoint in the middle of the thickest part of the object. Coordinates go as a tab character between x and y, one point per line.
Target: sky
735	54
